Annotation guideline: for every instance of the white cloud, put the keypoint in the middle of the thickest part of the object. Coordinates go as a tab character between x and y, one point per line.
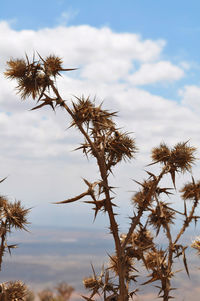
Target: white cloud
162	71
79	44
191	97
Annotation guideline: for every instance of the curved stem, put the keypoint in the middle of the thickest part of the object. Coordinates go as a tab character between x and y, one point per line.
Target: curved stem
187	222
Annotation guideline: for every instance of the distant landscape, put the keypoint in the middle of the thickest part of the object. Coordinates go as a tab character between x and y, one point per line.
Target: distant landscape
46	256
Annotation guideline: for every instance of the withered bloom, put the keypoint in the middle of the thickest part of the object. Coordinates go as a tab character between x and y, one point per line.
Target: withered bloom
161	153
179	158
128	265
46	295
53	65
191	191
145	196
182	156
154	259
162	215
17	69
120	147
85	112
34	77
16	215
31	80
142	238
31	85
91	283
14	291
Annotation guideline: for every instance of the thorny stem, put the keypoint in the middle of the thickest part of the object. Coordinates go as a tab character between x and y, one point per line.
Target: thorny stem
141	210
188	220
167	285
108	204
2	247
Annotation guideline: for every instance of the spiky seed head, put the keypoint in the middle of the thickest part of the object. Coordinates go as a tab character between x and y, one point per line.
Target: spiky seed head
128	265
46	295
138	199
53	65
154	259
16	215
179	158
85	112
144	197
64	290
82	110
16	69
31	85
120	147
161	153
191	191
15	290
182	156
161	216
90	283
29	75
142	238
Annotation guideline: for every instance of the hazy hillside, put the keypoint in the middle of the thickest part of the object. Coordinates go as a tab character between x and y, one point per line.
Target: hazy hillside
46	256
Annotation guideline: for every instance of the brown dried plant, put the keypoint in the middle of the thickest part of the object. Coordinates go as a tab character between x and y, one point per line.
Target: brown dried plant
152	212
63	293
12	215
13	291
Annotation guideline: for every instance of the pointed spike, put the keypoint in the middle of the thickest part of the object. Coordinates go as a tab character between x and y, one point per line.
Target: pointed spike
3	179
185	263
69	69
78	197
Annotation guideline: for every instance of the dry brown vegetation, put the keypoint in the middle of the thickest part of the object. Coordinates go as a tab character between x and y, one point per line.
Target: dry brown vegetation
152	212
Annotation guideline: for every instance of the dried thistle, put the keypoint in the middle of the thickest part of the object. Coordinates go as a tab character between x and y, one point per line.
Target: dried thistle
128	264
16	215
182	157
91	283
143	198
46	295
161	153
85	112
179	158
191	191
53	65
12	215
13	291
64	291
119	146
17	69
143	238
162	215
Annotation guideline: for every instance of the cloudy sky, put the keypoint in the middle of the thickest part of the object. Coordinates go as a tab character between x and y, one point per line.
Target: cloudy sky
141	58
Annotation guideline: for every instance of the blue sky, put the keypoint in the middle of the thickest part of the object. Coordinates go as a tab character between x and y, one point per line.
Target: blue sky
177	22
141	57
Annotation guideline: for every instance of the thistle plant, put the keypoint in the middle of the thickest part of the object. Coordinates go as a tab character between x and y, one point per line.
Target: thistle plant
153	213
12	216
13	291
63	293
